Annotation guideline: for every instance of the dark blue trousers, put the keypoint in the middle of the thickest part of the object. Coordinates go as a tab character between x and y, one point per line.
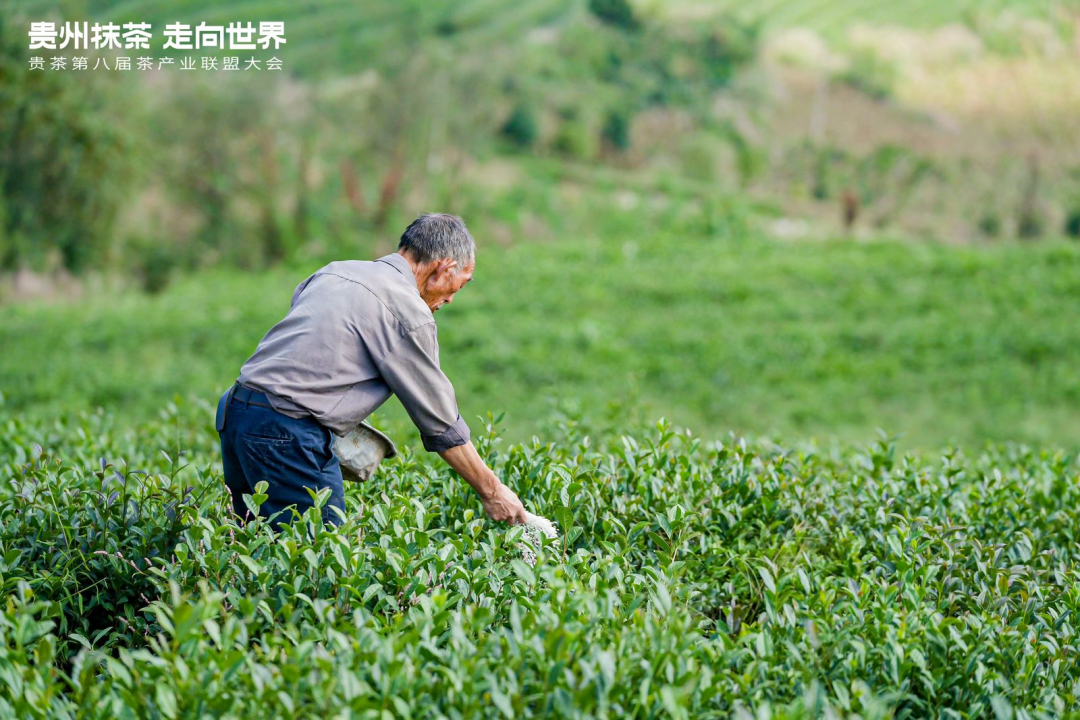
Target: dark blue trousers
291	455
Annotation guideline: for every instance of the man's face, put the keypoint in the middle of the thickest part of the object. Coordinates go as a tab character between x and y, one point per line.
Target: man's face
444	281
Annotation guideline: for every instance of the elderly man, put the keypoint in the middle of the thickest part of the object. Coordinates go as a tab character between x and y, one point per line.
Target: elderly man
356	333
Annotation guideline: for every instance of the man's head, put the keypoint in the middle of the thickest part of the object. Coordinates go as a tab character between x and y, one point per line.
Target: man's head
442	255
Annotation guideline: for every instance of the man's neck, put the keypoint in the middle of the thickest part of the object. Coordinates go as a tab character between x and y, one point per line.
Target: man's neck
417	269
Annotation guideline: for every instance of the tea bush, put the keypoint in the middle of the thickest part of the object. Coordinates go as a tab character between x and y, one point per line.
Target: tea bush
690	579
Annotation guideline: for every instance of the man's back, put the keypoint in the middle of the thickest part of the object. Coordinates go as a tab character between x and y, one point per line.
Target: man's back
324	358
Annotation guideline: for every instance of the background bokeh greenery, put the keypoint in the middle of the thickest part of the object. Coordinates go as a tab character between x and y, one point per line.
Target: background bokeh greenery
802	220
941	345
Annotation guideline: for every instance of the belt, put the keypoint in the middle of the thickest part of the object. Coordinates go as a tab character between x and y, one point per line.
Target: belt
243	394
246	395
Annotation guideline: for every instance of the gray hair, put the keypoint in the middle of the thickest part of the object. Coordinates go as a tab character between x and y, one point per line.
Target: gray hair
434	236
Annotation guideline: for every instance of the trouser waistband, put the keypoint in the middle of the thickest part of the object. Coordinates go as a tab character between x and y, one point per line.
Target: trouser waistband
248	396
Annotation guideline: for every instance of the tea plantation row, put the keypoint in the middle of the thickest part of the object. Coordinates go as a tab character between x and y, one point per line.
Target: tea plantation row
693	578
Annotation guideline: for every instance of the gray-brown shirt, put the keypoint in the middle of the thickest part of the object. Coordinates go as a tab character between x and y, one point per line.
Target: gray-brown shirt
356	333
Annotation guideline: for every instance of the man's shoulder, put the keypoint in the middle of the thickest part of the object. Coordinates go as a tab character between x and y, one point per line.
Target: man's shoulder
388	286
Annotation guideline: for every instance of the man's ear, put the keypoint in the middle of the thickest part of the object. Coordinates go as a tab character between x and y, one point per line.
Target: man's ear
446	266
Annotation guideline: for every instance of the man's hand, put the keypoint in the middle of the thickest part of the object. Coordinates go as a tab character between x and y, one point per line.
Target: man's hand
500	502
503	505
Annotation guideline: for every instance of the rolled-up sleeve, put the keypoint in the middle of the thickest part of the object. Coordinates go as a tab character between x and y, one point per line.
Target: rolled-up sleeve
412	371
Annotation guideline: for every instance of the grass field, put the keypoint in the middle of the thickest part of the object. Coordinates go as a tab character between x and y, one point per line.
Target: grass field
831	340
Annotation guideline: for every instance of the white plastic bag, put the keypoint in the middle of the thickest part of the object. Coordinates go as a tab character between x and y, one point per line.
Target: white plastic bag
361	451
535	526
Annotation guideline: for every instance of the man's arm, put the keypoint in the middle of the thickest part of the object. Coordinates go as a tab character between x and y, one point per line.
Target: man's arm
500	502
412	371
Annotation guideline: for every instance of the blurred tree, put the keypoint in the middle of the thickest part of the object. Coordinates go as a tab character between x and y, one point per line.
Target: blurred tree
990	224
520	127
616	130
66	160
849	205
1029	225
725	48
1072	223
615	12
217	138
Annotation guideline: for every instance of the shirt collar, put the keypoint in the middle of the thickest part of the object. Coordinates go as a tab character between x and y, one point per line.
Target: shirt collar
400	264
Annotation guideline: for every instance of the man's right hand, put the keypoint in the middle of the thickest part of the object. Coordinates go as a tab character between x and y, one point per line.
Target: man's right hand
503	505
500	502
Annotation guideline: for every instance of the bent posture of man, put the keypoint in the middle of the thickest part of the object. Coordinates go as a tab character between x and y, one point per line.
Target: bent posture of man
356	333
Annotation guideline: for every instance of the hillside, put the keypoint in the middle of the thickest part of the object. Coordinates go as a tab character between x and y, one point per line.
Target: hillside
951	122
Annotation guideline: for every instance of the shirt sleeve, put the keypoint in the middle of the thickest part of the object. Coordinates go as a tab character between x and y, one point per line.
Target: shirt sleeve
412	371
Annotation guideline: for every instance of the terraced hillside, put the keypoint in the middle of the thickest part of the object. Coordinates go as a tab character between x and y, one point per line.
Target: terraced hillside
340	35
348	36
834	16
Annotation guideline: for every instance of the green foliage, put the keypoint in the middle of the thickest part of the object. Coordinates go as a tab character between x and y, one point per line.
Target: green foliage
618	13
247	169
834	18
691	579
823	171
1072	224
1030	224
700	158
990	224
616	130
726	47
184	173
871	73
1031	221
156	262
217	142
65	161
576	138
520	128
705	325
607	77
